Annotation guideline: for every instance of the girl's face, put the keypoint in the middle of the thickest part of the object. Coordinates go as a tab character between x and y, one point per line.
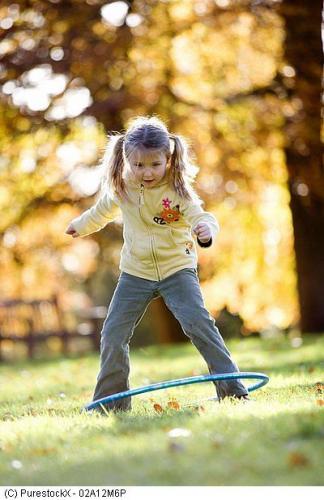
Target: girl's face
148	166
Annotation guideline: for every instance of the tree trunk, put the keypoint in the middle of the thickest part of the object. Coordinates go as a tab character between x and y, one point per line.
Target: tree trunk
303	148
166	327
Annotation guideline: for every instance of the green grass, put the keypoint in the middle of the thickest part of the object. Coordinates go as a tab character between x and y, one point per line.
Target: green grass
276	439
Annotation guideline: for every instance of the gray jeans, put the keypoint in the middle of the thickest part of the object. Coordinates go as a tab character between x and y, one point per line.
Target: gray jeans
182	295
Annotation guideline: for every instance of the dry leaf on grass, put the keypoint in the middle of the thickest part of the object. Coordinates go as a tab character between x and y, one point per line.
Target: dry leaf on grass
174	404
297	459
158	407
320	402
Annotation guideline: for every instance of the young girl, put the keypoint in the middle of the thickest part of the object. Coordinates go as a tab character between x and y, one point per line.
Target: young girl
149	178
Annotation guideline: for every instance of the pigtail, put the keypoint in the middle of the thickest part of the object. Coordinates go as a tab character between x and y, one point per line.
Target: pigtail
182	171
113	164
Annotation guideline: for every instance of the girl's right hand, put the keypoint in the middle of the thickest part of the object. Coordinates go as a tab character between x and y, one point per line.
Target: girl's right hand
72	231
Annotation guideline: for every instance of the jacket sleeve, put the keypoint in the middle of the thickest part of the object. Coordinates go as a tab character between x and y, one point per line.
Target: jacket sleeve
194	213
98	216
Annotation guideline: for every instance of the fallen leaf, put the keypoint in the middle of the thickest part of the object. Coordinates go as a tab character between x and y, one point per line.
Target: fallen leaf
297	459
157	407
174	404
320	402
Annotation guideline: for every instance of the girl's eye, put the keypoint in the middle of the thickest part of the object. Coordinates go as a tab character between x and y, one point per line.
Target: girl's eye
141	166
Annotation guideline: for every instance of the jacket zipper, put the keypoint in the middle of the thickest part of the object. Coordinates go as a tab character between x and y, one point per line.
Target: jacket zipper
141	202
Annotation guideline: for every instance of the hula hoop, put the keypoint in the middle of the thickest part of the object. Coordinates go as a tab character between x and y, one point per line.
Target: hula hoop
264	379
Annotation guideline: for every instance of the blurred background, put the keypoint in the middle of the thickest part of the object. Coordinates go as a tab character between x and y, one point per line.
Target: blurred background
241	80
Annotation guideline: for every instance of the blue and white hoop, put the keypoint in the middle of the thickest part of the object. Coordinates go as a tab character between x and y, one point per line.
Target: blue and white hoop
263	380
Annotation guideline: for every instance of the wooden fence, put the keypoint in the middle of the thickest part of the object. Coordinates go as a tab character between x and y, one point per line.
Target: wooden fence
35	321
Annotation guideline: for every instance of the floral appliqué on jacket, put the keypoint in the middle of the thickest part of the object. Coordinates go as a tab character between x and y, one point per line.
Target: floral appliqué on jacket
168	214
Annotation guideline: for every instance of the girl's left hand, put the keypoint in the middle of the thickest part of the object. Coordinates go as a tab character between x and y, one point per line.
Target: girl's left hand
203	232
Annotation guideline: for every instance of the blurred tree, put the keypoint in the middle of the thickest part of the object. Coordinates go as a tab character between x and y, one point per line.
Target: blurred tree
214	73
46	71
84	47
302	82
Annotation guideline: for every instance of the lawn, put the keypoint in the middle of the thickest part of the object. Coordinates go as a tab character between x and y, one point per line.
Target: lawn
276	439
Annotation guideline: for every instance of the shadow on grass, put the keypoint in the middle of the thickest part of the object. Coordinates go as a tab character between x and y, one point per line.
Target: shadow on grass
120	454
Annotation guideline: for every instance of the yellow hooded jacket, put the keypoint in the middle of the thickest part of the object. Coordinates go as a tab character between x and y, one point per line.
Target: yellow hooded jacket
157	226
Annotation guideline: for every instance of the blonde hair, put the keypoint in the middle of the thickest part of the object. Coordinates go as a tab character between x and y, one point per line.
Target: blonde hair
148	132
